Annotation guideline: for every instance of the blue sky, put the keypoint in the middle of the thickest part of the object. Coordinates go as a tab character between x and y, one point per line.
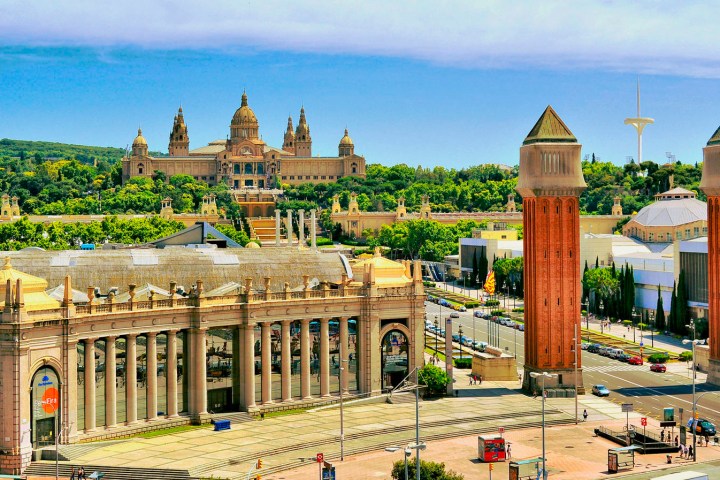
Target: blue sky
452	83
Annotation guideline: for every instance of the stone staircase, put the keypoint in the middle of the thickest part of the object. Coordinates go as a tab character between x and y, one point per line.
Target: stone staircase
234	417
47	469
263	229
67	453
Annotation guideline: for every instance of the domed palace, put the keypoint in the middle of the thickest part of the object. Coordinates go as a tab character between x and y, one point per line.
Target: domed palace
675	215
244	160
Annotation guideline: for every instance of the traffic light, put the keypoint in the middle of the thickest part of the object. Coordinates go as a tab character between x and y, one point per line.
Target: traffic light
697	415
491	466
258	465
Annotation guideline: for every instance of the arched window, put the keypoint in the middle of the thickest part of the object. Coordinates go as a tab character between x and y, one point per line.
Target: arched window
354	167
248	169
141	168
45	402
236	169
260	169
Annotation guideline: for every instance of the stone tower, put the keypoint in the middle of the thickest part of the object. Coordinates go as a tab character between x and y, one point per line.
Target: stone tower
617	207
550	182
346	146
336	204
166	210
303	141
510	206
179	141
425	211
289	140
353	208
401	211
710	184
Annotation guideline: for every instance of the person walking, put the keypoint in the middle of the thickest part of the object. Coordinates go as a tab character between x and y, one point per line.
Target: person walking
509	453
662	436
585	415
81	473
72	474
677	441
690	452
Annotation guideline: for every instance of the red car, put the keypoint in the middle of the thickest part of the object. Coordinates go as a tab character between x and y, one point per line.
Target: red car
635	360
658	367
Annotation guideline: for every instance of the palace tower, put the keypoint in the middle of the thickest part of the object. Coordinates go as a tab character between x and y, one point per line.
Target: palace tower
550	182
710	184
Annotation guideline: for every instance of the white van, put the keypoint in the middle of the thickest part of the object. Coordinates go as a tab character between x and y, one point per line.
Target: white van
615	352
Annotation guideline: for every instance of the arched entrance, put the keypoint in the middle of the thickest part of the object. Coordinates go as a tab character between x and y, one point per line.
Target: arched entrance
394	358
45	407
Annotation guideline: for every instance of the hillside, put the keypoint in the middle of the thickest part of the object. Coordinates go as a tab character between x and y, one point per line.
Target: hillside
55	151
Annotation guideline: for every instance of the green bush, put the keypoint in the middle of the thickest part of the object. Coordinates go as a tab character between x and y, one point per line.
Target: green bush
429	284
659	358
686	356
497	312
465	362
320	241
434	378
428	471
627	322
519	310
492	303
472	305
642	326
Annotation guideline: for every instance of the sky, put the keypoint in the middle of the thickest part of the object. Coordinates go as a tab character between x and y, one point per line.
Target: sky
450	83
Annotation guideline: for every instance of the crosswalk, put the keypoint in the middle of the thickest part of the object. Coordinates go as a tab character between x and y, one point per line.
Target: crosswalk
620	367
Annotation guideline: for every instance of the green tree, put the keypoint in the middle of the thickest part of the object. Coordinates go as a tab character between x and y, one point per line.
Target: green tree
660	312
434	378
428	471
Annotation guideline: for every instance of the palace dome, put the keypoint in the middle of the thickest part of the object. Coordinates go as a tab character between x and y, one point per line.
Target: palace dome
139	140
244	115
346	140
672	208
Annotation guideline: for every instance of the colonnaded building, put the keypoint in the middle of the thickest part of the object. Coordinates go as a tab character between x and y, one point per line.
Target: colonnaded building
159	337
244	159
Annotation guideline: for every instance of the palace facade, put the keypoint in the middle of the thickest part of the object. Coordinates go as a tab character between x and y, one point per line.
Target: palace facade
244	160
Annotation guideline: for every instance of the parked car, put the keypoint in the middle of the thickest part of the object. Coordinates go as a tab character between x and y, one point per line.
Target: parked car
456	337
454	315
702	427
479	346
594	348
521	327
584	346
635	360
658	367
600	390
615	352
478	314
624	357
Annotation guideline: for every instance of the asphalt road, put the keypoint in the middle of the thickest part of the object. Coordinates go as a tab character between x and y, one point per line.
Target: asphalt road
649	392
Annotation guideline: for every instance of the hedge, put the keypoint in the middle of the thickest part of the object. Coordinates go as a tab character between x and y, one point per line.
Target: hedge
492	303
465	362
497	313
658	358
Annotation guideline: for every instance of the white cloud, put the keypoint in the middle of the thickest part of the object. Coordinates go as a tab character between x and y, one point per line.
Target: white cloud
645	36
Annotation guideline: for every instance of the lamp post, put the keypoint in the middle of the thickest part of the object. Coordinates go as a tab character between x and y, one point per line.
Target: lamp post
408	451
602	311
342	418
694	403
437	330
634	315
652	329
544	375
584	306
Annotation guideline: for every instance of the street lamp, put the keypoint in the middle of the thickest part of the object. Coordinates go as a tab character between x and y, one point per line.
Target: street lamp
544	375
437	330
408	451
652	329
584	306
342	420
634	322
602	311
694	373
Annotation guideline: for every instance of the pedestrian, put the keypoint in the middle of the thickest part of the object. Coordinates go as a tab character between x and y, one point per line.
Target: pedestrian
682	451
585	415
480	379
509	453
471	380
707	439
81	473
662	435
72	474
535	393
690	452
677	442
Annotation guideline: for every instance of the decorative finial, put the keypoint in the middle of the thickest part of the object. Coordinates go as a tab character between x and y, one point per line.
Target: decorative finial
377	252
7	265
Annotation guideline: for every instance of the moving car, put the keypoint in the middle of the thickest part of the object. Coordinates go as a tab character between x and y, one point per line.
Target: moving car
454	315
600	390
702	427
658	367
635	360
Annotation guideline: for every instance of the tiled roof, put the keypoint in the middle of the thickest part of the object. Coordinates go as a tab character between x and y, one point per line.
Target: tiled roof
550	128
715	139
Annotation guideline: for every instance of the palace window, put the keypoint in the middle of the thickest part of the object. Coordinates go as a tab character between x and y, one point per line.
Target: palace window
236	169
248	169
354	167
260	169
141	167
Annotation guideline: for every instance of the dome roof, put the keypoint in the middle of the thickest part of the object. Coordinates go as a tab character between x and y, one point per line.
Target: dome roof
673	208
252	245
388	273
244	115
346	140
139	140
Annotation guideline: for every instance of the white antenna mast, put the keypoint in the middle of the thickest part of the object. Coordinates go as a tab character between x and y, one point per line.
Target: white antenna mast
639	123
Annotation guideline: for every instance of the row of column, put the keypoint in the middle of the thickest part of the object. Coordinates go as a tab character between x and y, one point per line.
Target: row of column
285	359
131	392
301	229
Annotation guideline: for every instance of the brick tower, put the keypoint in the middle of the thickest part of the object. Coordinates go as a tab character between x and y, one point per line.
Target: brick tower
710	184
179	145
550	182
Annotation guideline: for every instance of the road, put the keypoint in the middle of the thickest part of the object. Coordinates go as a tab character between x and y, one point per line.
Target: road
649	392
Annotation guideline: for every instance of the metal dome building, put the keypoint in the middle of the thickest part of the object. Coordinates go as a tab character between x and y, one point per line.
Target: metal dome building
675	215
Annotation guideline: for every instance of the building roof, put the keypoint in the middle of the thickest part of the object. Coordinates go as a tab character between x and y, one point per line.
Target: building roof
715	139
33	288
550	128
388	273
210	149
671	212
268	148
195	235
621	245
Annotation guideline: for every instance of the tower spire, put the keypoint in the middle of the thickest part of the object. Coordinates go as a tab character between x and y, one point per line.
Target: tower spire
639	123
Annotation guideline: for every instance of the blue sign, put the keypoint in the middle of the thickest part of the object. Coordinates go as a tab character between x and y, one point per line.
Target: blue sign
45	381
642	344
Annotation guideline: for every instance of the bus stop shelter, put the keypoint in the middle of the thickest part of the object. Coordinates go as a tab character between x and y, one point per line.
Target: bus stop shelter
621	458
525	469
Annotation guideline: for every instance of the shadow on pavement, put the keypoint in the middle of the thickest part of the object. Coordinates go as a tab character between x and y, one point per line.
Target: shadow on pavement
665	390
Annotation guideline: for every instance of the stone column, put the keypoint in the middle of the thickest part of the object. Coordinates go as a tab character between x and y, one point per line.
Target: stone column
151	374
90	385
110	383
277	228
199	367
305	358
301	228
344	364
248	354
171	376
266	360
313	231
288	225
286	360
131	378
324	357
237	372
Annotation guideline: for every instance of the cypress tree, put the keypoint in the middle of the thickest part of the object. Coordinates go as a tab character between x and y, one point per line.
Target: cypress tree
585	289
597	262
682	304
660	312
475	268
672	321
482	266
